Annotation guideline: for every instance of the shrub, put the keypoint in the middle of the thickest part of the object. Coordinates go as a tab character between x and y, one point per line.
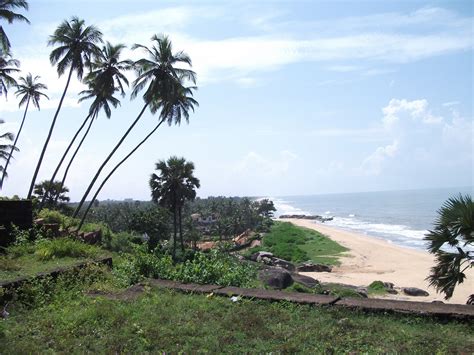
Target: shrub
64	247
122	242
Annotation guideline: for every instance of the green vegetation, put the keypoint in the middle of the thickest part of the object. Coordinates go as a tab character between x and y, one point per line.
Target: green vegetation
376	288
451	242
298	244
84	311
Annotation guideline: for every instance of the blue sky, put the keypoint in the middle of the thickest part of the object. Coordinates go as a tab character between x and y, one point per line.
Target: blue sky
297	97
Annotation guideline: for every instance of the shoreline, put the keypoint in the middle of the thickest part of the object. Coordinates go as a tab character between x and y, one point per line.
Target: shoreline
369	259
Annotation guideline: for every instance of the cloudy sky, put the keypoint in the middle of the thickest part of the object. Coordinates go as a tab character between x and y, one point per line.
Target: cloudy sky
296	97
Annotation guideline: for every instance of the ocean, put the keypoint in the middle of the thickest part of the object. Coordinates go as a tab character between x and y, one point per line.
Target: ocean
399	217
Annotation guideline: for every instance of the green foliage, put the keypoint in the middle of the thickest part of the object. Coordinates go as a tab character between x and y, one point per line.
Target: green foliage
298	244
376	287
64	247
162	321
451	242
204	268
122	242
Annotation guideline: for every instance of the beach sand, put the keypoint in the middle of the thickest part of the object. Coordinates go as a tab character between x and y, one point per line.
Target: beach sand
370	259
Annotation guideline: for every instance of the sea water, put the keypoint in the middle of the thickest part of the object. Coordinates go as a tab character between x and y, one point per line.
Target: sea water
400	217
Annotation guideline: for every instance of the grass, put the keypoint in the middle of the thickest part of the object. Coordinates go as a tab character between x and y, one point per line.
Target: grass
167	321
29	259
298	244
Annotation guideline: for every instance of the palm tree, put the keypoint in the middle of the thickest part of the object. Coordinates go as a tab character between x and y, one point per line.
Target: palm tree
5	147
6	13
105	78
158	71
172	187
29	90
451	242
173	109
7	67
49	190
76	48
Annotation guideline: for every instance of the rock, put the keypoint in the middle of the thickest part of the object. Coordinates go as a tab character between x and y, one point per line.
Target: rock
265	260
303	216
310	267
283	263
362	291
277	278
259	254
414	291
305	280
391	291
388	285
438	302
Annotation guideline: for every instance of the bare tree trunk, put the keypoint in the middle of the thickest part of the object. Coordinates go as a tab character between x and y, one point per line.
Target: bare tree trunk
4	173
62	160
89	188
33	180
174	232
74	156
181	227
113	171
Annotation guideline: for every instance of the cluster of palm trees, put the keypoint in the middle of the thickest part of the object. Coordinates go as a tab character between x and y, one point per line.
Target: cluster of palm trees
171	188
80	50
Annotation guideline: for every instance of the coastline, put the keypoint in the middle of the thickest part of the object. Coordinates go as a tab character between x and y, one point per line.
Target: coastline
370	259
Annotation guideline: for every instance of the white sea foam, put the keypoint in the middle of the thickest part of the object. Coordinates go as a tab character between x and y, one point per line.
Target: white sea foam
285	207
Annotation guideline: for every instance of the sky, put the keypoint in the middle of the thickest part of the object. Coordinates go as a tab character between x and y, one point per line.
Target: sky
295	97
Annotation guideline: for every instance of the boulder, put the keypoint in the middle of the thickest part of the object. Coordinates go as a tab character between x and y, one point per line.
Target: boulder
414	291
283	263
259	254
277	278
305	280
310	267
362	291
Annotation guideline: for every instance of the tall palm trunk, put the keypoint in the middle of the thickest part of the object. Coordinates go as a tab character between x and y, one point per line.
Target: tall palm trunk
33	180
113	171
174	232
181	228
14	145
73	157
89	188
62	160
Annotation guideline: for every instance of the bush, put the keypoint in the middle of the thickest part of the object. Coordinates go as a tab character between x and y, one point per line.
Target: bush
64	247
210	268
122	242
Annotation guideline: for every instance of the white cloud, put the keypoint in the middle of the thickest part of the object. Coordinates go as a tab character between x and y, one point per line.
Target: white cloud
416	109
373	164
451	103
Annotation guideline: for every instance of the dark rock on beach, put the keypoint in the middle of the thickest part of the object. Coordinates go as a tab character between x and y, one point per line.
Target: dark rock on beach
278	278
305	280
414	291
310	267
303	216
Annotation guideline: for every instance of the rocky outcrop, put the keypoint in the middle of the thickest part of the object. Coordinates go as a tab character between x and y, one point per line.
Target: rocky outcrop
305	280
277	278
303	216
414	291
310	267
259	255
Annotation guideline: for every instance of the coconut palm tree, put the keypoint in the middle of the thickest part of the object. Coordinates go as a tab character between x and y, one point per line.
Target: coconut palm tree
29	89
8	66
5	148
77	45
6	13
105	78
451	242
172	187
177	104
160	73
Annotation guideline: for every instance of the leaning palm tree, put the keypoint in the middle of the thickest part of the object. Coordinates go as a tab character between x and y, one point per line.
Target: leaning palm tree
29	89
452	242
8	66
172	110
160	73
77	45
5	147
7	13
106	77
172	187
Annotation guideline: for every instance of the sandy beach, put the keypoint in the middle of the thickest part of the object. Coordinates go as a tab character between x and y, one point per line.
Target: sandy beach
370	259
